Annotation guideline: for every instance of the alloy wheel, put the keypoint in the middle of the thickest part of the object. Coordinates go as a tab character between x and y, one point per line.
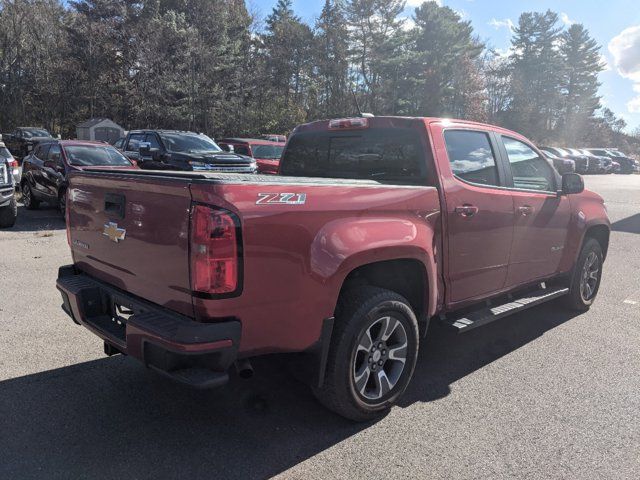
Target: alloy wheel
380	358
590	276
26	195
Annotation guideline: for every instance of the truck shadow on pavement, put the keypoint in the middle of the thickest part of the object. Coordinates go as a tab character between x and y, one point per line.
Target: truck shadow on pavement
629	225
110	418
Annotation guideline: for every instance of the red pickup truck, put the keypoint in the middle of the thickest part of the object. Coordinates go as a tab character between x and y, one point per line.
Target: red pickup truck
374	227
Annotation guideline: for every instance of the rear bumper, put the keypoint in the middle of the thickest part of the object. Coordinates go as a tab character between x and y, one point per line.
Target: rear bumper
195	353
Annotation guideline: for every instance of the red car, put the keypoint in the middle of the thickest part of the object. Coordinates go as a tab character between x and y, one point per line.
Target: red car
265	152
45	169
374	228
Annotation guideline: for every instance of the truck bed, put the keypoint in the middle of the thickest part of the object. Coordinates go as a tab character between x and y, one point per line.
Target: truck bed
294	256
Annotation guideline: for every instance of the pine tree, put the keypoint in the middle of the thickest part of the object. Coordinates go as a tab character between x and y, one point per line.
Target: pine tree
581	57
331	61
536	74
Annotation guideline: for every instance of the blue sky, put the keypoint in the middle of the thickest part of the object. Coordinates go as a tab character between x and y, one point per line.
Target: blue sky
615	24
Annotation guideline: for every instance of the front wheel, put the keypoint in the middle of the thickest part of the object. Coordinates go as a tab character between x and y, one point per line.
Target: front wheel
587	274
28	199
372	355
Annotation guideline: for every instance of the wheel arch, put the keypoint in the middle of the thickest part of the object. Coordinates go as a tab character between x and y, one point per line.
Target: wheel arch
601	234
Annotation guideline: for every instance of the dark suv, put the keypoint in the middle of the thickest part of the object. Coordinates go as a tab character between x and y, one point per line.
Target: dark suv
23	139
8	207
178	150
45	170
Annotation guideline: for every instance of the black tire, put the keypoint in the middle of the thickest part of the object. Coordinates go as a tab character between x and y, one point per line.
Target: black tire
580	298
358	314
30	202
9	214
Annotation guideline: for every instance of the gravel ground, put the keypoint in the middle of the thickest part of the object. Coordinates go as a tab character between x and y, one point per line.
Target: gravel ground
543	394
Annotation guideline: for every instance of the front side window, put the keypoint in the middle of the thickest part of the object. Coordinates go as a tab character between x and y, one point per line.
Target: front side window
530	171
134	142
153	141
85	155
41	151
471	156
55	154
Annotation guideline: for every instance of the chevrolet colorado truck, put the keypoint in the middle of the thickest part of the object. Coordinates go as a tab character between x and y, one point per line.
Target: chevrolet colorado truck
374	227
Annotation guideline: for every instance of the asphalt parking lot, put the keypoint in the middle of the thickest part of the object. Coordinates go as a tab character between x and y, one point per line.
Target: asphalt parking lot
545	394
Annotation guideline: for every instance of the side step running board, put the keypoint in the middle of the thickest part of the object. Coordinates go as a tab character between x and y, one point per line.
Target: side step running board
489	314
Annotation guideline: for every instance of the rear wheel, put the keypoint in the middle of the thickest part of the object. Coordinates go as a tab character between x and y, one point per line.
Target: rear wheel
587	273
372	354
9	214
28	199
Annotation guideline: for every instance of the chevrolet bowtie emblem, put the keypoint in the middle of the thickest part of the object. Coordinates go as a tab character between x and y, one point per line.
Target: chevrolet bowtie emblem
114	233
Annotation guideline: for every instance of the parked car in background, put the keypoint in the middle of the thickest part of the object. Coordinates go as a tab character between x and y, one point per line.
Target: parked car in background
605	164
562	165
45	169
22	140
374	227
119	144
8	205
11	162
581	161
272	137
265	152
627	164
180	150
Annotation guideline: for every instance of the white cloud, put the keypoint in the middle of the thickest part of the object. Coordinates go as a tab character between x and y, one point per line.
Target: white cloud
504	23
564	18
625	49
462	14
408	24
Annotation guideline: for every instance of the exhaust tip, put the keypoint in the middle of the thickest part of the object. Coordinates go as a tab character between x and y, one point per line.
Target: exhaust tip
244	369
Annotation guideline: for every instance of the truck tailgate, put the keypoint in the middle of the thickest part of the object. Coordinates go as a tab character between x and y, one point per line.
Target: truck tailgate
133	232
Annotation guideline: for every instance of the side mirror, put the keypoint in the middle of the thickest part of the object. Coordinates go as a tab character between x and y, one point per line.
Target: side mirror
572	183
144	149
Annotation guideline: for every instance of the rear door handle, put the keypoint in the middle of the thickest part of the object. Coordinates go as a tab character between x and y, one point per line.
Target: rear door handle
466	210
525	210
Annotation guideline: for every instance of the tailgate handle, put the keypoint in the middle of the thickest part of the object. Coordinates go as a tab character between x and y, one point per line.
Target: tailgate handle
114	204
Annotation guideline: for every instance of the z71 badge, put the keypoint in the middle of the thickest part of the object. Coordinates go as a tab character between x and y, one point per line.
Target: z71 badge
281	198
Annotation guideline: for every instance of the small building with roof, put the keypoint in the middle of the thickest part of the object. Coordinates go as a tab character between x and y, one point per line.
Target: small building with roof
99	129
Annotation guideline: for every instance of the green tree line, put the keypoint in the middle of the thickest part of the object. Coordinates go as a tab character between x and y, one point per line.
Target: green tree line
214	66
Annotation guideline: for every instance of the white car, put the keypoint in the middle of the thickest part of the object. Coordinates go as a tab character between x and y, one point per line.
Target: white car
11	162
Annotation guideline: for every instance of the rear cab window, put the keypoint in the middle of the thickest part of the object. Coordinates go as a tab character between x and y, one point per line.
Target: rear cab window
471	157
387	155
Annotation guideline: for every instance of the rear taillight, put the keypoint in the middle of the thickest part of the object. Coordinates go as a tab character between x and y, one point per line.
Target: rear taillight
348	123
13	163
214	251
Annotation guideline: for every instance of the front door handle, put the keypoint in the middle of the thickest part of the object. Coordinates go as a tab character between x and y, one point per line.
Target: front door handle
466	210
525	210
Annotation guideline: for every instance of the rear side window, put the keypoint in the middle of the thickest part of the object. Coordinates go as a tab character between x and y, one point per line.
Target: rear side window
530	171
389	155
471	156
